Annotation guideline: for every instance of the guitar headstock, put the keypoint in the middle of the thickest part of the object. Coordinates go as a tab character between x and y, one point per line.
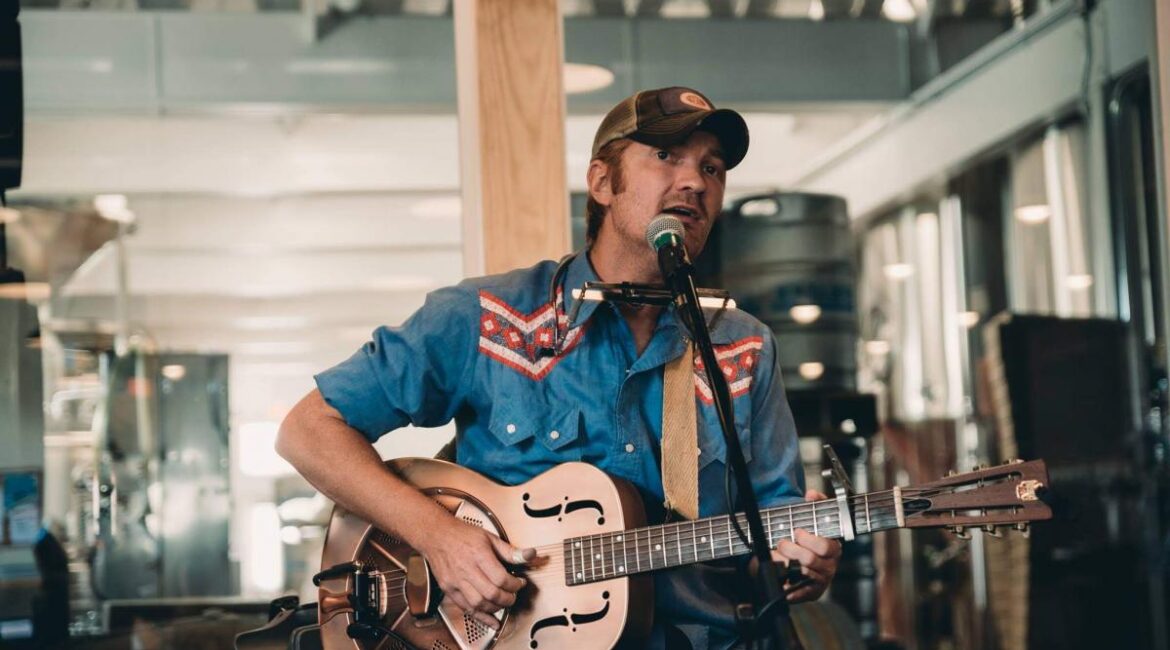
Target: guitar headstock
1008	494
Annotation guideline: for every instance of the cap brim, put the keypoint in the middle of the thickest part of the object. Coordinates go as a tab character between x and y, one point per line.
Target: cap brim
725	124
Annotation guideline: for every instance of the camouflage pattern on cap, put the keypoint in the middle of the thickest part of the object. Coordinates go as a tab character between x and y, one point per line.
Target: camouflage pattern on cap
667	116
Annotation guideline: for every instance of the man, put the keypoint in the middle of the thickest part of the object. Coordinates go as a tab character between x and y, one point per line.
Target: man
529	389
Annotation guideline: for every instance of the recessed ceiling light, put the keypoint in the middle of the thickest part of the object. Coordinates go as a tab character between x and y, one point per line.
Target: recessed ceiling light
174	371
816	10
1038	213
1079	281
899	10
586	78
812	370
805	314
685	9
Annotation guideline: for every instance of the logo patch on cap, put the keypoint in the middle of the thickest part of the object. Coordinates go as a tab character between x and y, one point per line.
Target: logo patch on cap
693	99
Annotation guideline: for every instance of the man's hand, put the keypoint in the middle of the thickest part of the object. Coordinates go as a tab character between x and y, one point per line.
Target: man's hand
468	563
818	557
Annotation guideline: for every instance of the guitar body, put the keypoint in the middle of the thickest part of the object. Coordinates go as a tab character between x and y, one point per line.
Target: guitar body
377	593
571	500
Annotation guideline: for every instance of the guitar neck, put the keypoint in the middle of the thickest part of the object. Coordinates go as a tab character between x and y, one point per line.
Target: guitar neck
630	552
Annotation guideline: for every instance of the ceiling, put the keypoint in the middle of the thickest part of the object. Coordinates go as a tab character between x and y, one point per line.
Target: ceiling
284	241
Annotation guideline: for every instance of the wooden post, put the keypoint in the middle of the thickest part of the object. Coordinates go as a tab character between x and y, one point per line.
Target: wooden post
508	55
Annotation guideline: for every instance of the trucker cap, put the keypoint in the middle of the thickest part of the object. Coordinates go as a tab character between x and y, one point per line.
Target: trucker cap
667	116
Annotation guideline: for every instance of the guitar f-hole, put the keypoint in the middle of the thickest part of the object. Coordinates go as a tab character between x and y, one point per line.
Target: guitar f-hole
568	620
563	508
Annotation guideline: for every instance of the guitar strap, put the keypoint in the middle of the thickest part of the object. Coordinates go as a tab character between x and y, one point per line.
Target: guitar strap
680	441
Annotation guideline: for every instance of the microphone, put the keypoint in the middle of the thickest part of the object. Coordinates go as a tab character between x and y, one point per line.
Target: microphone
665	230
665	234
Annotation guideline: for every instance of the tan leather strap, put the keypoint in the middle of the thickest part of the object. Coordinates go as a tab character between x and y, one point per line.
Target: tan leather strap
680	441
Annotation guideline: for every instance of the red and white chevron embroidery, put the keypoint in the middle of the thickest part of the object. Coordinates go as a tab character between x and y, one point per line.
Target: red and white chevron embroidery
737	361
513	338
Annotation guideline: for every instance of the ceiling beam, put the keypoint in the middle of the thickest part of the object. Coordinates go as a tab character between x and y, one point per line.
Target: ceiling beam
721	8
871	9
649	8
761	9
609	8
404	64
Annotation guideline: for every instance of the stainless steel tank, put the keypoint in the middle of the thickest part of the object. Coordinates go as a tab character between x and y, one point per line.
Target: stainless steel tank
788	259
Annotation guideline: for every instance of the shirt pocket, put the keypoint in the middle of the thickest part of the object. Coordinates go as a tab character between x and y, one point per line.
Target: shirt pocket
534	433
712	446
713	456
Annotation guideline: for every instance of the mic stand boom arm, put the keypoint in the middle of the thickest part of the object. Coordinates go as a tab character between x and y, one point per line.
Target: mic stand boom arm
770	599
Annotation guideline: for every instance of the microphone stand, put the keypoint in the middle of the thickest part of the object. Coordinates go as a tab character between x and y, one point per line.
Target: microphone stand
769	616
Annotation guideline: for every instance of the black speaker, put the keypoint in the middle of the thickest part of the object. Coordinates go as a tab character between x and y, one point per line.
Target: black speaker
11	96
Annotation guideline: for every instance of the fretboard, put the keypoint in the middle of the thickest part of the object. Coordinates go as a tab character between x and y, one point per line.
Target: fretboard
629	552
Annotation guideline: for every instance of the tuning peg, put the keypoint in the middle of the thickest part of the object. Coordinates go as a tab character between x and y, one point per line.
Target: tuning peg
1023	528
1014	461
952	472
979	467
992	530
961	532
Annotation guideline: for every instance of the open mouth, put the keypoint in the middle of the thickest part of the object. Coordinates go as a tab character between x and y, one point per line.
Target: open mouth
682	211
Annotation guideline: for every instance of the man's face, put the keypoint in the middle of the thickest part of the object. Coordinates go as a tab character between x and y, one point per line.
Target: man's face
686	180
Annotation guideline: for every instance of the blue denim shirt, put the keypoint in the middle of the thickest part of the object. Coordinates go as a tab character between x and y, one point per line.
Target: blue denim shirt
471	354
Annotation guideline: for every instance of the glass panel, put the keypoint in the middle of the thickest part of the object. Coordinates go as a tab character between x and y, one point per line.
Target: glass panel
1051	259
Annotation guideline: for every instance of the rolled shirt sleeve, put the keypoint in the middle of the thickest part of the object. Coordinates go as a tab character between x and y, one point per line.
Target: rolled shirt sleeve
416	373
776	470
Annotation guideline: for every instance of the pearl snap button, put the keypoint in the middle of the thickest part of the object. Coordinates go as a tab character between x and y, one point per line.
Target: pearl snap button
554	434
511	428
629	448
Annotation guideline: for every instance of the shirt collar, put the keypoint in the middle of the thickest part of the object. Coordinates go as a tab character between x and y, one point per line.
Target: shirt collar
579	272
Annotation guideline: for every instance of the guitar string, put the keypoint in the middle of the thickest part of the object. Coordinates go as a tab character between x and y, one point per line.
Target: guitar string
608	546
607	542
736	546
798	514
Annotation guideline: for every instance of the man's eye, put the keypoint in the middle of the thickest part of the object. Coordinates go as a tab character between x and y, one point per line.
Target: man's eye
662	155
711	169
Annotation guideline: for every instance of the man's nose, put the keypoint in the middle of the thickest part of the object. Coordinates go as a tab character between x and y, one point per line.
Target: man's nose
691	178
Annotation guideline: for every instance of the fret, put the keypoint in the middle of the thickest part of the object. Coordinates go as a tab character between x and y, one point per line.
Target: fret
637	552
665	559
730	548
601	553
613	555
791	524
678	542
711	536
625	560
592	564
768	527
695	541
573	560
815	531
868	523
